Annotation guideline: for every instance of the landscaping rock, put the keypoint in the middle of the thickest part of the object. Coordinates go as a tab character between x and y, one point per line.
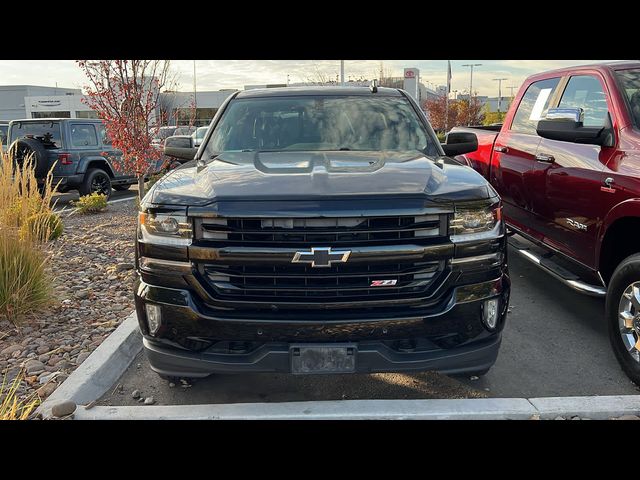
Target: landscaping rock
33	366
10	350
82	356
63	409
149	401
82	260
46	390
135	394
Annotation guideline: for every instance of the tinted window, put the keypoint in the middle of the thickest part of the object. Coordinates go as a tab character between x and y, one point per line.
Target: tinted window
4	131
321	123
534	105
630	81
43	130
104	136
83	135
584	91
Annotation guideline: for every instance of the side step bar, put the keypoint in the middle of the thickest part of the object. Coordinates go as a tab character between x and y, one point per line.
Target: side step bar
562	274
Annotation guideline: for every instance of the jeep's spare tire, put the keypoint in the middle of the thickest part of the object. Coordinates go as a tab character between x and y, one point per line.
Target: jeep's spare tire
22	148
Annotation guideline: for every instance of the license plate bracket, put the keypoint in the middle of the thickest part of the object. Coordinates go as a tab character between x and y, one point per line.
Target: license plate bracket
323	358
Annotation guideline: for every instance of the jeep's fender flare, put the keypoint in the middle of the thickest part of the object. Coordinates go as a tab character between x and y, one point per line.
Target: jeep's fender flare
104	163
628	208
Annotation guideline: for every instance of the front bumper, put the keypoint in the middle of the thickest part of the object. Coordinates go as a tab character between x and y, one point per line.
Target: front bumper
449	337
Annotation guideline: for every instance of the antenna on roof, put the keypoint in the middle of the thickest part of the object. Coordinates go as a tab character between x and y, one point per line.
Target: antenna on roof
374	86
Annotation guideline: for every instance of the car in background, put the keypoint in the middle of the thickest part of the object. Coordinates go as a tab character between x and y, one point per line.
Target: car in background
198	135
163	134
4	132
184	130
78	149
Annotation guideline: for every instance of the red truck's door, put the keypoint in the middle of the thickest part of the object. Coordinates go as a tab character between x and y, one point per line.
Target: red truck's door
567	177
514	154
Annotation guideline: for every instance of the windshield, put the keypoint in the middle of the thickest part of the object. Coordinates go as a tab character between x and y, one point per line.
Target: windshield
630	80
200	133
41	130
317	123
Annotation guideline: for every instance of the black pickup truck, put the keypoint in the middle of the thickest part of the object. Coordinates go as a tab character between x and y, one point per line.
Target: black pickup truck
321	230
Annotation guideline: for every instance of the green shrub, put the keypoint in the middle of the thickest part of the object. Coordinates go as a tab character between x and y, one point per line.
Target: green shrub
94	203
442	137
42	227
24	284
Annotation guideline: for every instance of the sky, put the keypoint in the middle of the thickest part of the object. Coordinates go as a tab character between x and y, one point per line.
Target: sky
221	74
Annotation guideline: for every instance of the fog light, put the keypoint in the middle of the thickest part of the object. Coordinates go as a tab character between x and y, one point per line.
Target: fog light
490	313
154	314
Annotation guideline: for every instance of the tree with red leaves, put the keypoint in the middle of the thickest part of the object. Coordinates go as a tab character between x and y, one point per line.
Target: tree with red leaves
125	95
460	113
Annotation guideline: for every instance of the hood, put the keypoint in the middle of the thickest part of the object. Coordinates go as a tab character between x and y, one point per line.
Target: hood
250	176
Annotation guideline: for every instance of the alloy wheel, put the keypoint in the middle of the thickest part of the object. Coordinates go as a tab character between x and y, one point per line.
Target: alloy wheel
100	184
629	319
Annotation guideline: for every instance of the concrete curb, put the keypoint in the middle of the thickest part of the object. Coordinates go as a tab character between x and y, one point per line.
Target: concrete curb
101	369
596	408
459	409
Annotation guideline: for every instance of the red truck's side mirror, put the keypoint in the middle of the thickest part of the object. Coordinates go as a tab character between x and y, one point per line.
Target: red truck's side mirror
459	143
566	125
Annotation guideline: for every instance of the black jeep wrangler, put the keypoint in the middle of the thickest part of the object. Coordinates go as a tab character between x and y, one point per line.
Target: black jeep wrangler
321	230
81	149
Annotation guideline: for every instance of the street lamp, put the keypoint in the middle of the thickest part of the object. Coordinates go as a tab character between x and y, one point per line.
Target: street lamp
499	80
471	85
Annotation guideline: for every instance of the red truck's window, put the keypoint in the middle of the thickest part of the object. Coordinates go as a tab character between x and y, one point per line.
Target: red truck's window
533	105
630	80
585	91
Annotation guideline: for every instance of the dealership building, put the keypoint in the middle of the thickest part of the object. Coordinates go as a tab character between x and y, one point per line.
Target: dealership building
175	108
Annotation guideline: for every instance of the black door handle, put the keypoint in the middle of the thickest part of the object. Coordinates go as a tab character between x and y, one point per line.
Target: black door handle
544	157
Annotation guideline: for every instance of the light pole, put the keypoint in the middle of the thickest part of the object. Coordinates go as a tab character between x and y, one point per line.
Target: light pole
342	73
195	97
499	80
471	85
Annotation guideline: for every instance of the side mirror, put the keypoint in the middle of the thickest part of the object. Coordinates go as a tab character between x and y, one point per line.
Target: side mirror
180	146
458	143
567	125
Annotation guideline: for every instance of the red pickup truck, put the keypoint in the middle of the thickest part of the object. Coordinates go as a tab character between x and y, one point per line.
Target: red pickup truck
566	163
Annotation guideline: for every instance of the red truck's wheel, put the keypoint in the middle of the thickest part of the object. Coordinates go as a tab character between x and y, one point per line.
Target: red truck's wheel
623	315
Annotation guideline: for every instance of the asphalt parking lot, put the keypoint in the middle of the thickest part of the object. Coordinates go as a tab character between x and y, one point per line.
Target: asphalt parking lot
555	344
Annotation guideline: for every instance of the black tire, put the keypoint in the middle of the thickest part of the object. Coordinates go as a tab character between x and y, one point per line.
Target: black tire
624	275
23	147
96	180
121	188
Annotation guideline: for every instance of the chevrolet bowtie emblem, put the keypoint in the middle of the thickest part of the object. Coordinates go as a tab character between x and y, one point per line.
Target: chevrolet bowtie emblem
321	257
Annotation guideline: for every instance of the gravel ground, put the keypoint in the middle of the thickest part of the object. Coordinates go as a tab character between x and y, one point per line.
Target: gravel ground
92	268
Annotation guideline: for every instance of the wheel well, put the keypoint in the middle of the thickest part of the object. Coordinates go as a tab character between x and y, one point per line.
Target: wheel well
619	242
101	164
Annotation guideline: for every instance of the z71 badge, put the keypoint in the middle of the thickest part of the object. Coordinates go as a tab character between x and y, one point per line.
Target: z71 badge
383	283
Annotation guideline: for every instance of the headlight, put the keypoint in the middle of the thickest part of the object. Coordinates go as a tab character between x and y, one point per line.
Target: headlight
470	223
165	229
